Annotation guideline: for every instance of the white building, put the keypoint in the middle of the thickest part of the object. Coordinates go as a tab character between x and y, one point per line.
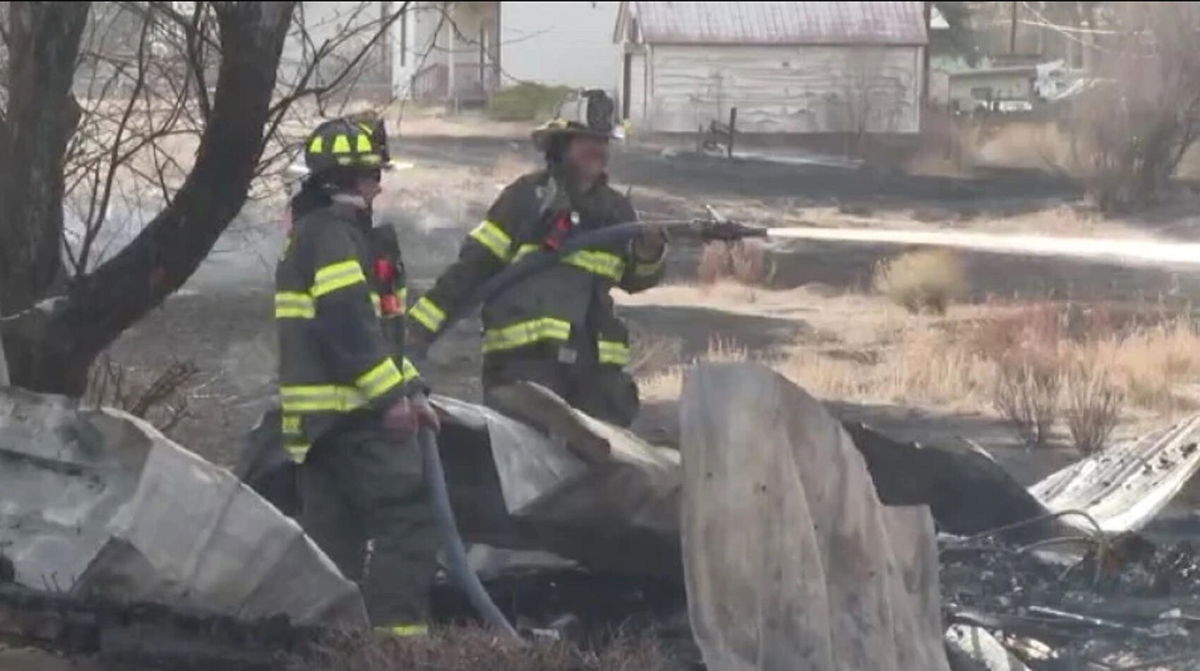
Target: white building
466	50
788	67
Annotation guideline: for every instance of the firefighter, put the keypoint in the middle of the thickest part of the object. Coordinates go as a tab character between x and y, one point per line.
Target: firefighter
556	328
352	403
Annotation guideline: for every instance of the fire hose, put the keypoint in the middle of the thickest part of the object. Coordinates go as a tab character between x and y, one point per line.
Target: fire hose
710	229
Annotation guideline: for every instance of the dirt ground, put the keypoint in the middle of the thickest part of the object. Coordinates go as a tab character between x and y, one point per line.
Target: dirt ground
817	298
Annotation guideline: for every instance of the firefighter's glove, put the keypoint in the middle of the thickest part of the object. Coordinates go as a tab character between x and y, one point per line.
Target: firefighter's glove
650	244
426	416
401	419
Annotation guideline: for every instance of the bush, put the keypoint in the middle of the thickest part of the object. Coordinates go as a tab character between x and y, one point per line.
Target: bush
929	279
526	102
1027	394
1093	406
746	262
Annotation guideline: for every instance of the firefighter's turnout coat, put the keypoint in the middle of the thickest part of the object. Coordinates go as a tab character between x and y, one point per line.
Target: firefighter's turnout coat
564	313
339	305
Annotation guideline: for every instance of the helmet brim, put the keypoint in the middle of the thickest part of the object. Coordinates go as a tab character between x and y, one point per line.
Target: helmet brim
542	137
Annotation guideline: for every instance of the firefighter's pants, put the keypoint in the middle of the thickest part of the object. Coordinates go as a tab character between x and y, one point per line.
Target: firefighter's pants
604	392
358	485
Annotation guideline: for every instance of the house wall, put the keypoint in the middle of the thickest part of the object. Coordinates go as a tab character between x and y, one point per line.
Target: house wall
559	43
431	34
782	89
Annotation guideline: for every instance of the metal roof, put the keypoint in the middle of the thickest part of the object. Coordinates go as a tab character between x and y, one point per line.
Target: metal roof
779	23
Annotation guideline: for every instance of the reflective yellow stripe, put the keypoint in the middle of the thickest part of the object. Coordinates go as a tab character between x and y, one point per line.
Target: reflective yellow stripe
613	352
320	398
526	333
601	263
296	450
649	269
404	630
524	250
291	424
604	264
375	304
317	145
337	276
294	305
341	145
428	314
379	380
409	371
490	235
363	144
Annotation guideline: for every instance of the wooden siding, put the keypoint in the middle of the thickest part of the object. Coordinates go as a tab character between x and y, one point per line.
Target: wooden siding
805	89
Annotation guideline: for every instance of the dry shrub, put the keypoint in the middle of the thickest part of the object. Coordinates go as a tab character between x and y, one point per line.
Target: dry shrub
162	400
472	648
1093	405
928	279
1027	395
745	261
715	263
653	353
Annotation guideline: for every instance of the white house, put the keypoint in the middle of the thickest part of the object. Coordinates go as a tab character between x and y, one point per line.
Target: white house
462	51
788	67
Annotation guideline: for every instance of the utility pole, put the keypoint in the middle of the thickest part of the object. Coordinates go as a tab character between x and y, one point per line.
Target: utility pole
1012	31
450	54
928	12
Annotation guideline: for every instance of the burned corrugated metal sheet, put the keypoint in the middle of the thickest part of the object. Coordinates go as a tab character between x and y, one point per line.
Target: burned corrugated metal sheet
784	23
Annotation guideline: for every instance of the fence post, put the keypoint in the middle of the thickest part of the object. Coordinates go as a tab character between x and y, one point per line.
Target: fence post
4	380
732	128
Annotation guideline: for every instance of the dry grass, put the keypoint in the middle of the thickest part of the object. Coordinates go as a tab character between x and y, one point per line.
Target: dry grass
1078	369
471	649
1150	364
926	280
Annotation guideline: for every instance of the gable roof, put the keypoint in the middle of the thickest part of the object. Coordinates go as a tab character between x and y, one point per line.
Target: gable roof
776	23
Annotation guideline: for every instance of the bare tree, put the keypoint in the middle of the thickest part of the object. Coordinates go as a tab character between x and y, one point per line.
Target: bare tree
1143	113
179	123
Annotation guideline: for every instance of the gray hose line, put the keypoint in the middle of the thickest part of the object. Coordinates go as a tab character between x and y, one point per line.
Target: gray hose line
460	569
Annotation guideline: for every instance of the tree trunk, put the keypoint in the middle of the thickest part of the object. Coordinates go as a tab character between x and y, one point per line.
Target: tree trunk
101	305
43	47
